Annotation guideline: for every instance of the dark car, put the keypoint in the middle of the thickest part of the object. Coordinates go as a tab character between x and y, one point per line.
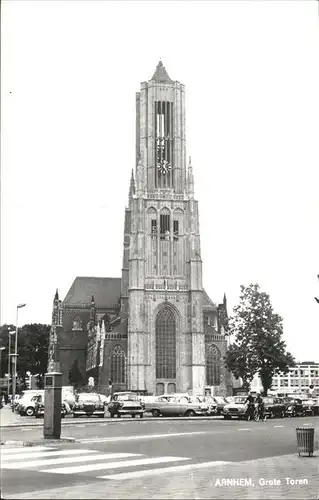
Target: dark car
274	407
294	407
125	403
88	404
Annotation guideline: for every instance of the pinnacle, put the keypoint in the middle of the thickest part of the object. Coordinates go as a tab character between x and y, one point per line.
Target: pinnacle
160	74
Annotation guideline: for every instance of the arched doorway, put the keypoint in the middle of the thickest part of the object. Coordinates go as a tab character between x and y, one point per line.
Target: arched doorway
160	389
171	388
165	331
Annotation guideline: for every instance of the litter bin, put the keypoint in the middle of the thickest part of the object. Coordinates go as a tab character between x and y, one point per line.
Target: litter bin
305	440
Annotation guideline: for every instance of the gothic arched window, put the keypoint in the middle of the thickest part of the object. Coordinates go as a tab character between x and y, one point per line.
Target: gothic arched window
213	359
165	328
77	323
118	359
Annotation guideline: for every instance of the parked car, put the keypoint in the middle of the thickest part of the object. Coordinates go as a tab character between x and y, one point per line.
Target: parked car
169	406
315	407
220	402
308	406
88	404
274	407
210	402
26	403
294	407
39	407
238	408
126	403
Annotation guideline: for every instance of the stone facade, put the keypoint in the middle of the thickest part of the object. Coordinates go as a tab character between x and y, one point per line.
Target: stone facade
154	330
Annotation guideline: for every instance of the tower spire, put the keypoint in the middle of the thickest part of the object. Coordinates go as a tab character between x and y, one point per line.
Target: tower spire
132	189
190	179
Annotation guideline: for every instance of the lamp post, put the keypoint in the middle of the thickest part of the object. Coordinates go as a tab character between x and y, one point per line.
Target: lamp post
15	358
10	333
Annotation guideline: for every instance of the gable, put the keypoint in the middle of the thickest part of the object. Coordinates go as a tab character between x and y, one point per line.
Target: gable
106	292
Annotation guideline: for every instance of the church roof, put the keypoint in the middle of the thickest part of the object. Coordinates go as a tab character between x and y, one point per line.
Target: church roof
106	292
207	302
161	74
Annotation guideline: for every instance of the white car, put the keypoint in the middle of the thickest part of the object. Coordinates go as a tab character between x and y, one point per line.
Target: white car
238	408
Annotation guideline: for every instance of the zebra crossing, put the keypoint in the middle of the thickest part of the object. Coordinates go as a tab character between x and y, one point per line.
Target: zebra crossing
107	466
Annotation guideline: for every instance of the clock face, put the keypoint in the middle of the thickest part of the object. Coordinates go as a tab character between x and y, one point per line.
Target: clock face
164	167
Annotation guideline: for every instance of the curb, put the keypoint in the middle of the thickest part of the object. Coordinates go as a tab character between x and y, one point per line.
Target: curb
108	419
38	442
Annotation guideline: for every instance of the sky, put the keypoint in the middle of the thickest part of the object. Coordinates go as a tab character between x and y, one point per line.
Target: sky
70	70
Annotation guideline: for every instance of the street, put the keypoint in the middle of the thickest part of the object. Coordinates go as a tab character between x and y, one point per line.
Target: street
162	459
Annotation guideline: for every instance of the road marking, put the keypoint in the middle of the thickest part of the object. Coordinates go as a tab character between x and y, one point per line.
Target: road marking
10	451
277	426
145	436
67	460
155	472
246	429
114	465
165	470
44	453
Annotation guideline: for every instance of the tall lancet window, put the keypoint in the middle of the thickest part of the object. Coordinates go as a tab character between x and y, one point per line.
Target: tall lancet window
164	144
165	344
213	363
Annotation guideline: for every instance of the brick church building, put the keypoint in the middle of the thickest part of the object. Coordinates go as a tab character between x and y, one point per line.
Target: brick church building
153	329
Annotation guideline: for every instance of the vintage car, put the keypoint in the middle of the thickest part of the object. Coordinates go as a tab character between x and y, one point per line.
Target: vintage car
171	406
88	404
274	407
315	407
210	402
126	403
238	408
220	402
308	406
39	408
294	407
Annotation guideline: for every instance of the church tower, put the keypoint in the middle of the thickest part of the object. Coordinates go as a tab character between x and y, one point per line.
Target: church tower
162	266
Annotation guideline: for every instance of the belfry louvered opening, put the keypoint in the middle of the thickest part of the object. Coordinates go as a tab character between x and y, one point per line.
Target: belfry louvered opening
164	144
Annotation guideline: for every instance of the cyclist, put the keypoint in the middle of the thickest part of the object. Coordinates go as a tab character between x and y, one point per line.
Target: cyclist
260	407
251	405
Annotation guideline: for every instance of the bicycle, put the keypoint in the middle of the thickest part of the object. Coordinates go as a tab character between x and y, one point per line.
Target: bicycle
260	414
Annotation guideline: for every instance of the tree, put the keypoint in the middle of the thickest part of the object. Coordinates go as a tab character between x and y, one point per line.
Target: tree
75	375
258	346
33	341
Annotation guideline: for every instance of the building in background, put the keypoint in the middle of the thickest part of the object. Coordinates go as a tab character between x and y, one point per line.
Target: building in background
155	329
298	380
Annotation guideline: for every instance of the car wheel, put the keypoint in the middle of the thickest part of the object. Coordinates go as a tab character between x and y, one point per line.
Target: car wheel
74	415
190	413
156	413
29	411
118	415
37	416
282	414
271	415
141	415
112	415
62	416
133	415
226	417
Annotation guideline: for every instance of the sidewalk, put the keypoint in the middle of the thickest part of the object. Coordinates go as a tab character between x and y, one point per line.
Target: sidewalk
283	474
7	417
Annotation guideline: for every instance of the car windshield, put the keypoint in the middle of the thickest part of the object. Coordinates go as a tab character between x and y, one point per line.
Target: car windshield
239	400
85	398
126	397
219	400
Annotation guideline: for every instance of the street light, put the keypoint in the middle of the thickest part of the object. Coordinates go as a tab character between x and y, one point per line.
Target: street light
10	333
15	358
